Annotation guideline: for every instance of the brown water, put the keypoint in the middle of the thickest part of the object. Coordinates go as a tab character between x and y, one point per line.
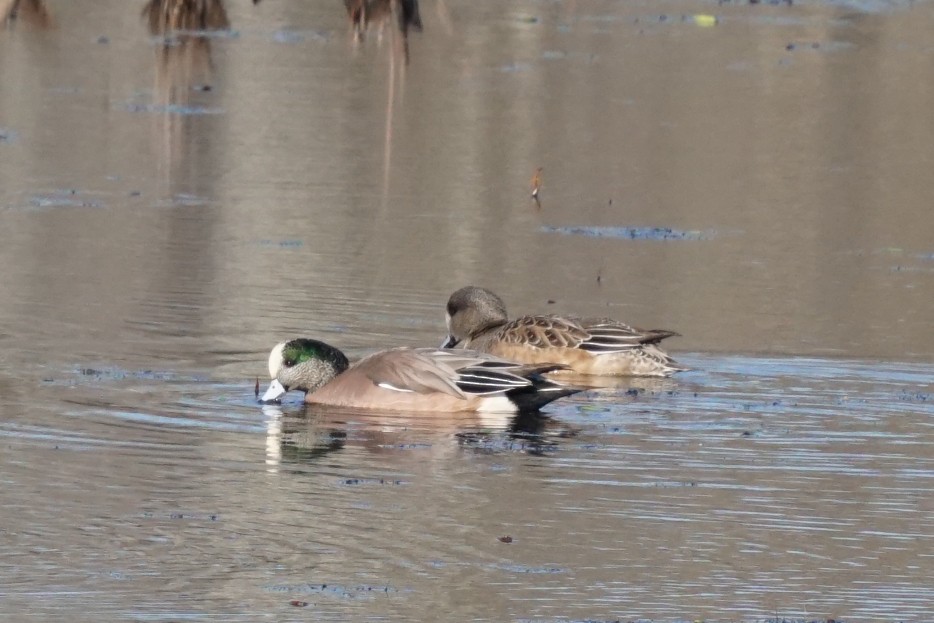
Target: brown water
168	212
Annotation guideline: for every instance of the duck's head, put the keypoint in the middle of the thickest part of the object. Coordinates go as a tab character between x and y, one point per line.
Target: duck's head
304	365
470	311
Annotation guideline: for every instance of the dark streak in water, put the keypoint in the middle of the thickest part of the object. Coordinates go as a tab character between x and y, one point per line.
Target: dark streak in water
177	36
184	200
172	109
530	570
282	244
299	36
371	481
63	199
337	590
631	233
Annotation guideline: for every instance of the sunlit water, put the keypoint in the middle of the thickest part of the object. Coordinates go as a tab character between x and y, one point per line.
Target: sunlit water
756	177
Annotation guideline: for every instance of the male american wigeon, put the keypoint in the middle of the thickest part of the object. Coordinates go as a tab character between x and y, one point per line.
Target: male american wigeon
476	319
411	379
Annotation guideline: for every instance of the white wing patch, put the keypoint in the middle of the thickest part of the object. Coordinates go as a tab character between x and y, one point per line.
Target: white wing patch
388	386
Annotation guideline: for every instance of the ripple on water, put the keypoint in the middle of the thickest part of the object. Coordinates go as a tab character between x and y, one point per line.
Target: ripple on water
745	482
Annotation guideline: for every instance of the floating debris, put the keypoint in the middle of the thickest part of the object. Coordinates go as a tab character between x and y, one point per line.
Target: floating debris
536	183
705	21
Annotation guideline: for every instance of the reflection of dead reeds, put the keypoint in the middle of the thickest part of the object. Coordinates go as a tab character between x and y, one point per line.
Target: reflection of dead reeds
183	65
367	14
184	58
363	13
32	12
168	16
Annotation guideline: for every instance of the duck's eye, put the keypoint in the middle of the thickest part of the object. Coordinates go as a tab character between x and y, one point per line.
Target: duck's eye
289	363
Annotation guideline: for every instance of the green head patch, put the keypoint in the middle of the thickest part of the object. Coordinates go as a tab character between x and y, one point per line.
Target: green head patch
304	349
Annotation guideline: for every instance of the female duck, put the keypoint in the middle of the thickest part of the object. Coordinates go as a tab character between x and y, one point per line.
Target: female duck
476	319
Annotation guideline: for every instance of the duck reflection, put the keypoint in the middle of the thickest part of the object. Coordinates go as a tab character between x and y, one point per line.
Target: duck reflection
531	433
31	12
311	432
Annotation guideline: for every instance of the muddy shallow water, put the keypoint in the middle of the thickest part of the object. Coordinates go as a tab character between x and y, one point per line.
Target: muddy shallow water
755	176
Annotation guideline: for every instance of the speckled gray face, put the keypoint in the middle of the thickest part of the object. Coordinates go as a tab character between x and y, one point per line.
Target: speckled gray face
304	365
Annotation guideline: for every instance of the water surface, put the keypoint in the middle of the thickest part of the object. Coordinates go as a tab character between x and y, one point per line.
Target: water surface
754	176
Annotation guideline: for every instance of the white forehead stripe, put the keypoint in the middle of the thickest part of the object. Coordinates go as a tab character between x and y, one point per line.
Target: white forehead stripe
275	360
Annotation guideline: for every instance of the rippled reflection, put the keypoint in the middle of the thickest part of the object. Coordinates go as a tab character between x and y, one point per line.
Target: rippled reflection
376	14
183	56
364	13
167	17
184	73
308	433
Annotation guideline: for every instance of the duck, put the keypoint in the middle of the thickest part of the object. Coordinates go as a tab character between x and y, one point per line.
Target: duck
476	319
411	379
